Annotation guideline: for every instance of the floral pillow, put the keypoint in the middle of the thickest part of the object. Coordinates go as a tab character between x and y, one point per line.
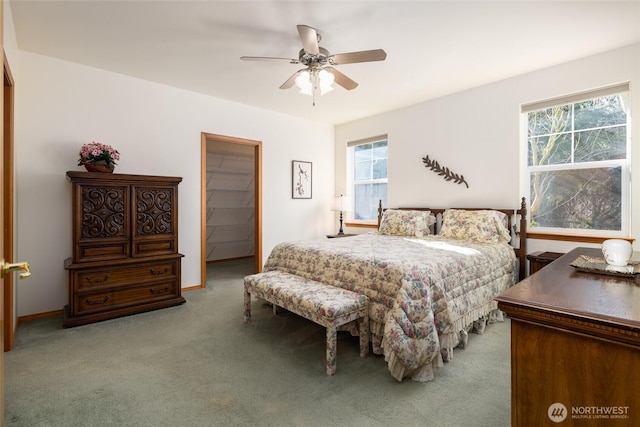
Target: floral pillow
476	226
396	222
500	216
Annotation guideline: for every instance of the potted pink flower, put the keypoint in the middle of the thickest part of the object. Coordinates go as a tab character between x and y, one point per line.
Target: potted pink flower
98	157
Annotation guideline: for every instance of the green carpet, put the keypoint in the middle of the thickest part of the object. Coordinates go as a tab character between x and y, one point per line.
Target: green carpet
199	365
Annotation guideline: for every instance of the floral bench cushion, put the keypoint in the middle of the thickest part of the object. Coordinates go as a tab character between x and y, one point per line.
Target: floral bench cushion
315	301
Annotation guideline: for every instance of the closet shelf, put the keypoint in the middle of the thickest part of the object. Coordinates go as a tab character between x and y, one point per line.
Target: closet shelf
231	242
237	225
230	172
227	190
229	208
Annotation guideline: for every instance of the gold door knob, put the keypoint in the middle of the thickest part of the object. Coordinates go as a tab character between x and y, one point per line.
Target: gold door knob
6	267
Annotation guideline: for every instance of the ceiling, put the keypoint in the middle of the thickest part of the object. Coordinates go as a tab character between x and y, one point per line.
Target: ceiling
434	48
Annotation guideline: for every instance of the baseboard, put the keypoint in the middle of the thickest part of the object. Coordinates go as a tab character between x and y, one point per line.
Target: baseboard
39	316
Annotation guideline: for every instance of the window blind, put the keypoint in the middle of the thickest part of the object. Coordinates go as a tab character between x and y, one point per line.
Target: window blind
367	140
576	97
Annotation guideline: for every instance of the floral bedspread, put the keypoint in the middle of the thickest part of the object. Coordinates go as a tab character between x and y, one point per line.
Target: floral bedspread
423	292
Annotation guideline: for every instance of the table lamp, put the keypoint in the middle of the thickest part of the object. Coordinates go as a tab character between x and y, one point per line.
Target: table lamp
341	204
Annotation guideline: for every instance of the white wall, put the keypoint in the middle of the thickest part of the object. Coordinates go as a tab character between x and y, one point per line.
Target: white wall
476	133
9	35
62	105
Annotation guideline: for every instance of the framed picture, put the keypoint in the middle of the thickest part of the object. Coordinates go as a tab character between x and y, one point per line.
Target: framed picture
301	178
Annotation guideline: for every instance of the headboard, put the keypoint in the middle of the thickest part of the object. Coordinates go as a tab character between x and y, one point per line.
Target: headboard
517	225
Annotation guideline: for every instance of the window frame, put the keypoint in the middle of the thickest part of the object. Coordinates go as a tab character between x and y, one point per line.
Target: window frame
624	164
351	182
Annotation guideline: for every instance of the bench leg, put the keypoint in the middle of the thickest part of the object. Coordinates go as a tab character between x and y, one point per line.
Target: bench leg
332	344
247	306
363	324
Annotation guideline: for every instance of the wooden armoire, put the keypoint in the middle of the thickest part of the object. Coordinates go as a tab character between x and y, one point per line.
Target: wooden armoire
125	256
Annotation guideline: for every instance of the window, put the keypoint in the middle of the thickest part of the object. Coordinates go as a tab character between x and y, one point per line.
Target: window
578	163
367	172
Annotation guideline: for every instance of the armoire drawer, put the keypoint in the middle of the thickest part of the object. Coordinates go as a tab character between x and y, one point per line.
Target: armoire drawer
154	246
123	297
121	275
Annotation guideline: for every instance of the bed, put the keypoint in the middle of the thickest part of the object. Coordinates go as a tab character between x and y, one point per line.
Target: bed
431	276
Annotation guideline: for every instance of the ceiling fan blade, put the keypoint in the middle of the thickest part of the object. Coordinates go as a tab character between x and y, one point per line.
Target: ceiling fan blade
362	56
341	79
309	39
268	58
291	80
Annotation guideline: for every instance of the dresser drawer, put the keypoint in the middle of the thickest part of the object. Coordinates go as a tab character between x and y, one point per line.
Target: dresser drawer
157	245
121	275
101	251
109	300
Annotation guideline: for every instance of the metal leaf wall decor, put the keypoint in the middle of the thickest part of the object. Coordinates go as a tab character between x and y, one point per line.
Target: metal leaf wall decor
444	172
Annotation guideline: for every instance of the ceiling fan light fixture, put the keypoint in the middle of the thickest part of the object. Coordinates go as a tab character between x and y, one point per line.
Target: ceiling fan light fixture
326	81
303	81
315	80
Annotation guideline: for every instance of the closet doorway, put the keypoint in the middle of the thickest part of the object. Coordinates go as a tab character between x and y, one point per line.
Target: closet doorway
231	200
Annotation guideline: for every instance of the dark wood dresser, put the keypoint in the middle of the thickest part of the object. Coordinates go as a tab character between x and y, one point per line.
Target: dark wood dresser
539	260
125	256
575	347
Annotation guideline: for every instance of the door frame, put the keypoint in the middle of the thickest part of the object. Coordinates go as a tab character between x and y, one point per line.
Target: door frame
3	316
257	146
8	208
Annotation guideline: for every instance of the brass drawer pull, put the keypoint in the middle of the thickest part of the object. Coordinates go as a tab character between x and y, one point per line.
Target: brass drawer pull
92	280
159	291
155	272
96	302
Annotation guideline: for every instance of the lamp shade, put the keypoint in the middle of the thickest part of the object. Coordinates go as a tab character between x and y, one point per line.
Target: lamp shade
303	81
326	81
341	204
309	82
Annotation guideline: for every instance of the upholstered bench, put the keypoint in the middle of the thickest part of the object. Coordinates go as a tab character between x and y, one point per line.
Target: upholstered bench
325	305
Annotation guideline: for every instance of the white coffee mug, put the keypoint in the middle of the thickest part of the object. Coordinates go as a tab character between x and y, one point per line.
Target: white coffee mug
617	252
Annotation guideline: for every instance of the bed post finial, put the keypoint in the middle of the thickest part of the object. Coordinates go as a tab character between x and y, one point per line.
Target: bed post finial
379	212
522	251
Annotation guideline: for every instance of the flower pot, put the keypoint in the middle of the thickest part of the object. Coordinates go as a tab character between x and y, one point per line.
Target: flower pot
617	252
95	167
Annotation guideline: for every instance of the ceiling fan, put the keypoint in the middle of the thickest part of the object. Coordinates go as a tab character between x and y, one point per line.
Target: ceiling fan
319	74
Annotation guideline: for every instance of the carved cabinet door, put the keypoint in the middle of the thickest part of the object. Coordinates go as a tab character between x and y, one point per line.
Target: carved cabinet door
103	229
155	219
